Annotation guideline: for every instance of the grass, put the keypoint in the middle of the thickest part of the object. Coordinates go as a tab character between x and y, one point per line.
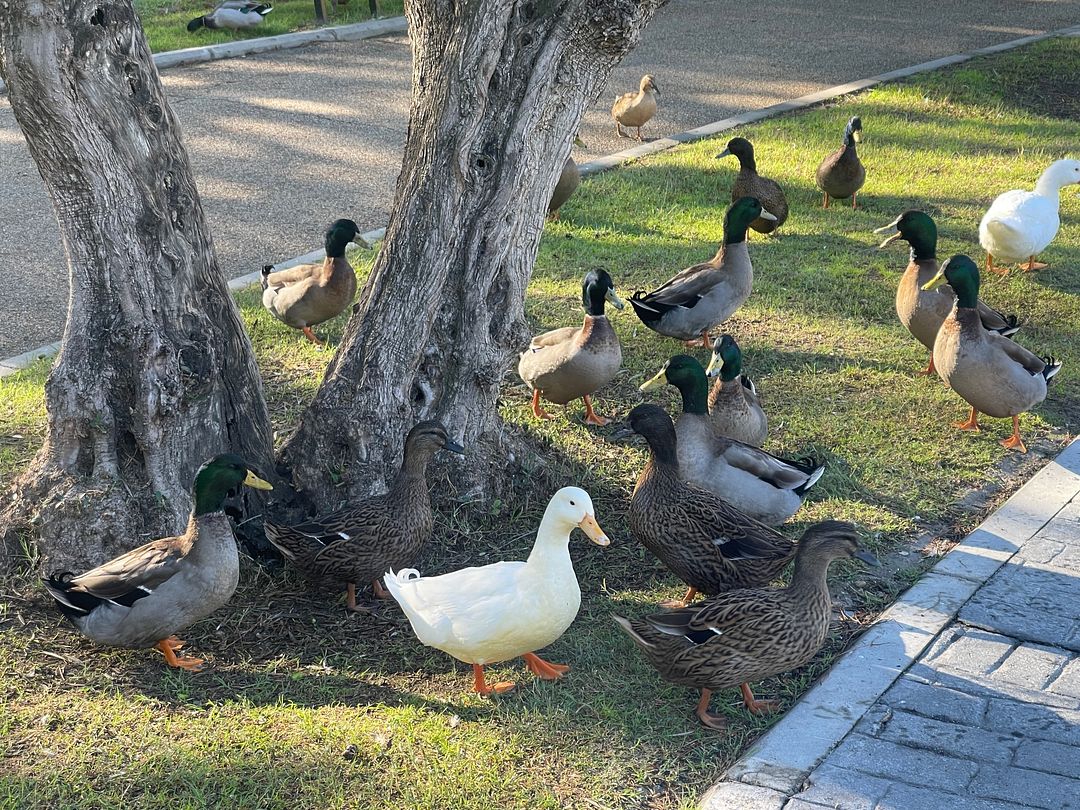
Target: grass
305	706
165	21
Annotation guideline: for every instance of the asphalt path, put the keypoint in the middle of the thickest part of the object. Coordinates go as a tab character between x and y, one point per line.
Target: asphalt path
282	143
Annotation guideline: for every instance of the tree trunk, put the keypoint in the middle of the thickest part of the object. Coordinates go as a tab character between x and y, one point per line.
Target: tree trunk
499	88
156	373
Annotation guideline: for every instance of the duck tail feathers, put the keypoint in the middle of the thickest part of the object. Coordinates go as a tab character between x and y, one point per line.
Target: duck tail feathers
195	24
73	603
814	470
1012	325
628	628
1051	368
645	310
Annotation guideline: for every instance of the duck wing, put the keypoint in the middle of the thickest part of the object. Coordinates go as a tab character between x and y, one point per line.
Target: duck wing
782	473
143	568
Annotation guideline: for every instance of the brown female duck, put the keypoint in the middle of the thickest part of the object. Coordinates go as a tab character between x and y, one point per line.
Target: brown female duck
635	109
842	174
749	183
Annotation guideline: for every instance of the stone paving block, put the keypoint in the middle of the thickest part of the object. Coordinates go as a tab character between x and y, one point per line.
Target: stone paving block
937	702
1027	787
932	602
972	650
949	738
737	796
1034	722
1050	757
837	787
1068	682
908	797
890	760
1034	504
977	556
984	686
1031	665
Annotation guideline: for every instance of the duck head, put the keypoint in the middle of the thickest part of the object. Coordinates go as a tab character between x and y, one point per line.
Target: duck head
571	508
686	374
338	236
429	437
739	216
853	131
596	288
962	274
916	228
648	85
742	149
726	362
834	540
1059	174
220	476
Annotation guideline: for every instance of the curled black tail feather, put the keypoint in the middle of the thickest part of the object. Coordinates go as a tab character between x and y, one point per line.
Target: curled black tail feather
1051	368
73	603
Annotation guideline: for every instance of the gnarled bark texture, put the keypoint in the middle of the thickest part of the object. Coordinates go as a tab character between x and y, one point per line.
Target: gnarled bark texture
499	88
156	373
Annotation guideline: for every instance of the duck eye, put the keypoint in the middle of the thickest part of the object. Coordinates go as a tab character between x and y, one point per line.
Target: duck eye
572	503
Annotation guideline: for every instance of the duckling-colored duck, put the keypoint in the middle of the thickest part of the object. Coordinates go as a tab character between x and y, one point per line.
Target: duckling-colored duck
362	542
700	297
308	294
751	184
841	174
234	15
923	311
704	540
496	612
995	375
762	486
749	634
635	109
142	598
573	361
734	409
1019	225
569	180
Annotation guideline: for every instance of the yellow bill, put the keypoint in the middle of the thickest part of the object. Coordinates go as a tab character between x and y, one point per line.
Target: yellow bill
716	365
255	482
593	531
936	281
655	382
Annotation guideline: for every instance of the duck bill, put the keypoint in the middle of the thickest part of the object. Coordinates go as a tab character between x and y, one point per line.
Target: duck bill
766	215
936	281
723	154
857	136
362	242
253	481
889	227
454	447
613	299
593	531
867	557
716	365
580	144
655	382
890	240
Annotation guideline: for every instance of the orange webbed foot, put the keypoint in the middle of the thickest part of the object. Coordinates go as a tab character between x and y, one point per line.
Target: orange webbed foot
675	604
591	417
755	706
544	669
480	685
168	648
538	411
1014	442
972	422
311	336
716	722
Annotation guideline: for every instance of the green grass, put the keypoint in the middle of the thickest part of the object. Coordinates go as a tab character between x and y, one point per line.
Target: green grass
165	21
305	706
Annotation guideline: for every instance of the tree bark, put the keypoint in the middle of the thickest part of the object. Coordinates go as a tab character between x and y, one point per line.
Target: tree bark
499	88
156	373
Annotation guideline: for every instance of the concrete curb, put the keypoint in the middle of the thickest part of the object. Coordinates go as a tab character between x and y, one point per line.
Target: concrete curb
12	364
281	42
777	765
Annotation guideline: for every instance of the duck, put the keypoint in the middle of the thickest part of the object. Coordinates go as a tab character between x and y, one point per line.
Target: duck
636	109
749	183
749	634
992	373
703	539
841	174
923	312
358	544
308	294
734	408
764	487
576	361
689	304
492	613
141	599
235	15
1019	225
569	180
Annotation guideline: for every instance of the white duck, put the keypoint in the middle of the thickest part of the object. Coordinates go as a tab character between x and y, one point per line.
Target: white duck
1020	224
236	15
496	612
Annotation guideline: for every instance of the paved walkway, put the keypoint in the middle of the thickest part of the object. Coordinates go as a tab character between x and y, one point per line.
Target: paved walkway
282	143
987	717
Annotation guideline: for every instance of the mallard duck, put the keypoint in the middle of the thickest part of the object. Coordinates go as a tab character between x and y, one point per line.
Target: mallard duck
994	374
569	180
635	109
749	634
709	544
309	294
573	362
842	174
234	15
142	598
734	409
1019	225
921	311
751	184
765	487
360	543
691	303
496	612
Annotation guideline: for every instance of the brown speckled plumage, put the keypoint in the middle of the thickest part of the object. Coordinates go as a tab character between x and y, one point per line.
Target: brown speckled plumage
748	183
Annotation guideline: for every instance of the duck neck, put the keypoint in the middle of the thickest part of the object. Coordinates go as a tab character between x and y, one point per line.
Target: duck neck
695	394
412	476
922	247
335	245
552	546
735	228
810	577
1048	186
746	161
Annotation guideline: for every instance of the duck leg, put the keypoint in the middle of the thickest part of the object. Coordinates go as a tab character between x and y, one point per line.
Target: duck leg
971	424
590	415
755	706
990	268
1033	265
1014	442
639	134
930	369
379	590
705	342
544	669
618	130
853	196
826	199
709	719
691	592
169	646
311	336
480	685
539	412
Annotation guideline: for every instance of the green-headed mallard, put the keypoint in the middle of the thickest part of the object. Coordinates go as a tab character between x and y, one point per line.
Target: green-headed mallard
576	361
492	613
691	303
992	373
734	409
751	184
360	543
923	311
765	487
749	634
309	294
569	180
141	598
1019	225
708	543
842	174
234	15
635	109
